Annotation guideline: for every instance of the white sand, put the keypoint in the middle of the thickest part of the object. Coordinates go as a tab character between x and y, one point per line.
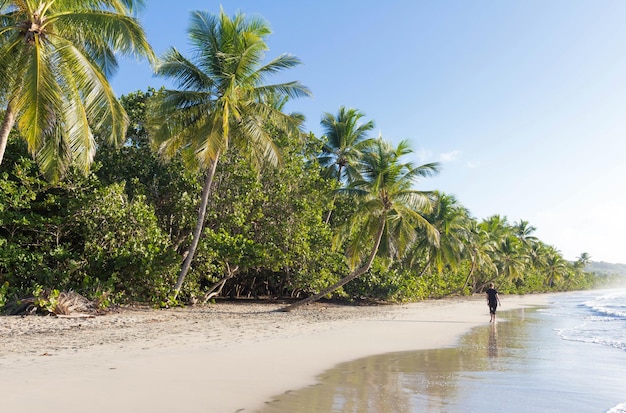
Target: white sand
221	358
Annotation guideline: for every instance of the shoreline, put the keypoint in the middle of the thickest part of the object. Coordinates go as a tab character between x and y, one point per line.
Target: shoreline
227	357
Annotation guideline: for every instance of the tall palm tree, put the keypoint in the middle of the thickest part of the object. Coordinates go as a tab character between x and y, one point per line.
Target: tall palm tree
509	259
506	250
345	139
388	210
582	260
222	101
496	227
55	58
451	220
556	268
479	248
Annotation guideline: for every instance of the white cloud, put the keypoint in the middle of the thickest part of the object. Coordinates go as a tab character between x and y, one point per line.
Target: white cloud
449	156
424	155
473	165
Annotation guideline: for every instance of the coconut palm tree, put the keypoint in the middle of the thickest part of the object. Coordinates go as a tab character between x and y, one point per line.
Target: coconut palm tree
523	230
556	267
345	140
388	210
479	249
451	220
55	60
222	101
582	260
509	259
506	248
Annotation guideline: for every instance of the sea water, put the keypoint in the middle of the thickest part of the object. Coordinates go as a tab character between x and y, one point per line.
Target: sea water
569	356
598	317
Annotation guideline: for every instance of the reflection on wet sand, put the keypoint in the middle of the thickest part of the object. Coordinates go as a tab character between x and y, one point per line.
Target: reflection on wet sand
405	382
492	347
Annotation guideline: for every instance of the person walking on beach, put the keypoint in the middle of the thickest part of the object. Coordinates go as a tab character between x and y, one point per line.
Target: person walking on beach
493	299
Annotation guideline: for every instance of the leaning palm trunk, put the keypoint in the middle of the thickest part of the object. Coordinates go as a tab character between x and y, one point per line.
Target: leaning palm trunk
332	205
206	191
5	129
355	274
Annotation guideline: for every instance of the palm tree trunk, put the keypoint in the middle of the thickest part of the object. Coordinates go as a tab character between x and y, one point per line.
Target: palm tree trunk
332	205
330	211
355	274
426	267
206	191
471	271
5	129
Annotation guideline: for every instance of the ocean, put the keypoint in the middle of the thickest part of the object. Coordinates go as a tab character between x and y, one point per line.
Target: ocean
569	356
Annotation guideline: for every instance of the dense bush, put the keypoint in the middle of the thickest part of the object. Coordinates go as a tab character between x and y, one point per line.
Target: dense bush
76	235
119	234
125	249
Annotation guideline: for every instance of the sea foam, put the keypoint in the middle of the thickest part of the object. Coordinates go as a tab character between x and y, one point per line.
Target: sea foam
620	408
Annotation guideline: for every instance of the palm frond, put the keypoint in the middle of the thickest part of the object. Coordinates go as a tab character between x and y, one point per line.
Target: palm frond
101	32
40	102
100	102
186	75
289	89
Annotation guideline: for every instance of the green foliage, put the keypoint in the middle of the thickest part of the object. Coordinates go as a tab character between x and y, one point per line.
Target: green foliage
118	234
268	223
170	188
4	291
76	235
45	301
58	91
37	244
126	247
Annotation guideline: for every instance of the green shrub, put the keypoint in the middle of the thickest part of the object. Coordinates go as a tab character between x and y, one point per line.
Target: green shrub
126	251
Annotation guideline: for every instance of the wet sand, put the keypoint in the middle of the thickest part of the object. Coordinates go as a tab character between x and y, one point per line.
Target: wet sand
222	358
518	365
434	380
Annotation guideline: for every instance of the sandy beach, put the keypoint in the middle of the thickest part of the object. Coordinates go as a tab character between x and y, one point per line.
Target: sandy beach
227	357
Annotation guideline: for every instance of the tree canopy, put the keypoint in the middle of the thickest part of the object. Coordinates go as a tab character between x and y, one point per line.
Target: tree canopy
55	60
215	184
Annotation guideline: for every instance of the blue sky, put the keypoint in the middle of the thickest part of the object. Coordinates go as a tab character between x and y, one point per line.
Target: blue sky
522	102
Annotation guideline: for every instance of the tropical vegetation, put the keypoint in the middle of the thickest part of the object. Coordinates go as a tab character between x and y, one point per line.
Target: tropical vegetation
55	58
216	191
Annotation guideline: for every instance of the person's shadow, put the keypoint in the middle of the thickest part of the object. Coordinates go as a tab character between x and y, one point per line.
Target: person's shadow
492	346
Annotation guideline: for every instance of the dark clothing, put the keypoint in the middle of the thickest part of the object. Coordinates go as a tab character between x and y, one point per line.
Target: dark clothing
492	299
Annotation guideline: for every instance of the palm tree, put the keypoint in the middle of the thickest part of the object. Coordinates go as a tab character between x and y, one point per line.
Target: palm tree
556	267
345	140
222	101
451	220
387	213
578	268
496	226
55	58
523	231
479	246
509	259
506	248
582	260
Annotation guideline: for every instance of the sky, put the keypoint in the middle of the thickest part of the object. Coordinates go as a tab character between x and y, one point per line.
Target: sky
523	103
